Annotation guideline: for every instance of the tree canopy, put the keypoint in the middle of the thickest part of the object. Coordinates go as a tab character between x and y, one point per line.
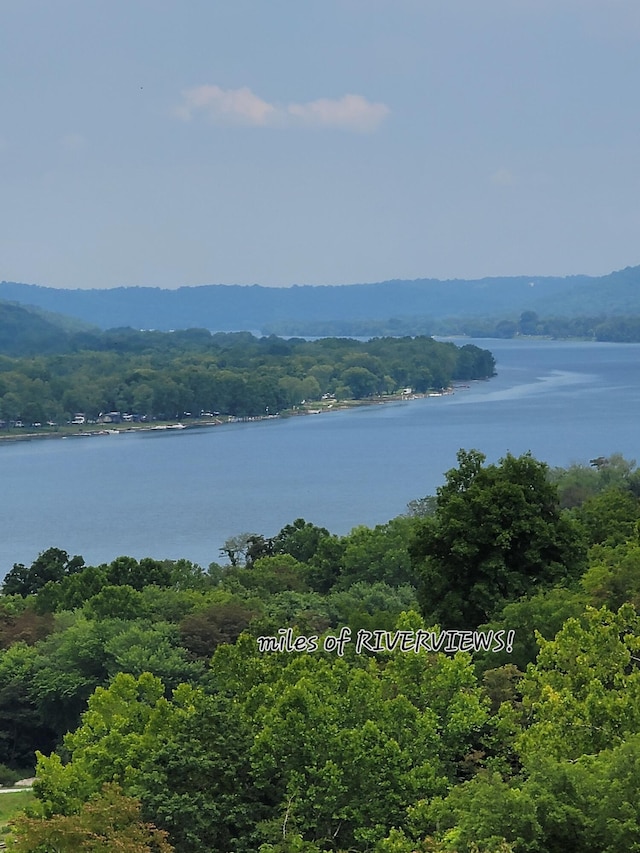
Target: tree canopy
166	375
497	534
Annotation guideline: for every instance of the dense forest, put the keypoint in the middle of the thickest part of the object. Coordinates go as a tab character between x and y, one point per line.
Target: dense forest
166	375
463	678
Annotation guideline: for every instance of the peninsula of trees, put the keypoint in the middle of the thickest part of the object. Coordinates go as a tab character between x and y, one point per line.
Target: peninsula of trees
167	375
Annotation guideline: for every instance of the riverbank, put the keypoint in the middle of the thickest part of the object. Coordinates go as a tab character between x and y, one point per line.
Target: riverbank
93	430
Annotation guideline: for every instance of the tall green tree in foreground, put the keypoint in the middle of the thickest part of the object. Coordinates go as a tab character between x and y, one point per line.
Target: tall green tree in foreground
497	534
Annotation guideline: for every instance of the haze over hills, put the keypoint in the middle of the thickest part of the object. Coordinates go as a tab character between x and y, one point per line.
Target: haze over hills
235	307
27	330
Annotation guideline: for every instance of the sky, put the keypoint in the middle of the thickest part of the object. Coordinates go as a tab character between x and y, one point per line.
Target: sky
277	142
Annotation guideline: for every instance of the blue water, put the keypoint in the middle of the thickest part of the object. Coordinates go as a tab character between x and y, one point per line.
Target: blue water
181	494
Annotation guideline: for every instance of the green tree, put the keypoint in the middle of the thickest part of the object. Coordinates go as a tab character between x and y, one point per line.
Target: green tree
72	591
342	746
578	483
542	614
497	534
127	570
362	382
196	782
23	726
272	574
51	565
301	540
610	517
378	554
144	647
613	577
70	664
590	804
115	602
583	693
370	606
341	760
118	731
528	323
485	814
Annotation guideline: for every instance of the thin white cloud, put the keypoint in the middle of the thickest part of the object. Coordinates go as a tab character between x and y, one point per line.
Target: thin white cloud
238	106
242	106
351	112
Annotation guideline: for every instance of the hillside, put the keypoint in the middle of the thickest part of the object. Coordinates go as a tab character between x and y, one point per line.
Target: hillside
27	330
234	307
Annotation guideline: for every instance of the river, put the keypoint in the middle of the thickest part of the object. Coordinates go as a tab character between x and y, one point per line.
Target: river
181	494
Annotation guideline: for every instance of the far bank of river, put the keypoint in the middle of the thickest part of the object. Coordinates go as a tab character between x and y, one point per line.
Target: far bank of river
94	429
181	493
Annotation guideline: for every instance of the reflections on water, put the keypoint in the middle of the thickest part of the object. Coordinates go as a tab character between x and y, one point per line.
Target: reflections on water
555	379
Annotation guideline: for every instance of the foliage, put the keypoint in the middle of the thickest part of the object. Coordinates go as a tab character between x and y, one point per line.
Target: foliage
8	776
497	534
196	780
52	565
109	821
610	517
579	482
583	694
202	632
378	554
589	804
541	614
117	733
167	375
613	577
23	725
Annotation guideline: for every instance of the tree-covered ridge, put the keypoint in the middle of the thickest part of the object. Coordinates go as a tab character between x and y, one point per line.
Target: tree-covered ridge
146	677
230	307
164	375
26	330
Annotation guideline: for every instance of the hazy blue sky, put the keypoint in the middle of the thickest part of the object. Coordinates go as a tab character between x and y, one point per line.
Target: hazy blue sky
149	142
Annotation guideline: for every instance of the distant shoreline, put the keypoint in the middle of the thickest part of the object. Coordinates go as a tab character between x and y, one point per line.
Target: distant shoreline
95	430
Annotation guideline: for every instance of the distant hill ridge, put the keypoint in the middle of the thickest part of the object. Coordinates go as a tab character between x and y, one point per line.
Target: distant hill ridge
235	307
27	330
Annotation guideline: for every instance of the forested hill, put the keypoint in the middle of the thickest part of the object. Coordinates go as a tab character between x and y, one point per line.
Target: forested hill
234	307
31	331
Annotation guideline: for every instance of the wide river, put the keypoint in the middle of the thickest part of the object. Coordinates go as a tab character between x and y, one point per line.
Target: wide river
181	494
